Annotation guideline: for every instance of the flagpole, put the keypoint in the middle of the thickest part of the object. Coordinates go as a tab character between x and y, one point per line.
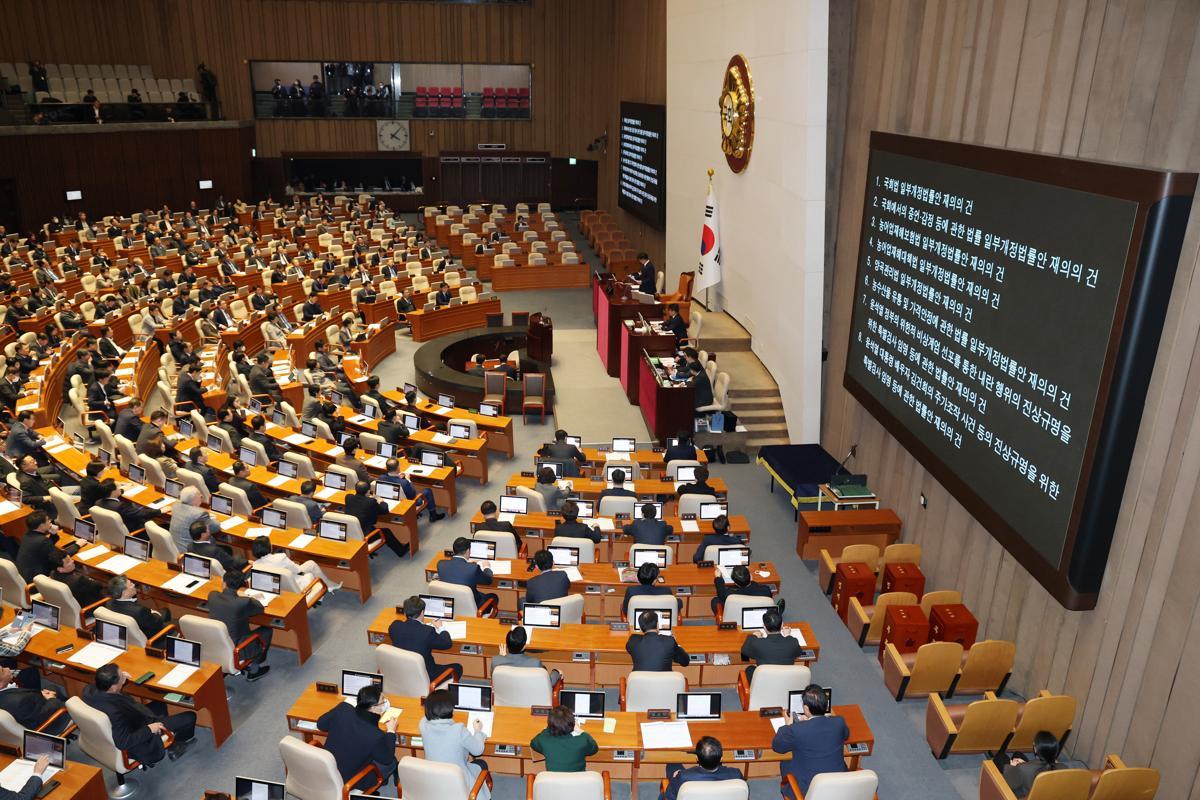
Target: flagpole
708	194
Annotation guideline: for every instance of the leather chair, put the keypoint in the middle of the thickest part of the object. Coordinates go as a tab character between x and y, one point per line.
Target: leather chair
1060	784
570	609
57	593
154	471
13	588
933	668
162	544
651	603
980	727
404	672
523	687
611	506
12	733
110	528
537	503
354	532
217	645
851	554
1046	712
771	684
866	622
506	543
304	465
690	503
96	739
987	666
135	635
577	785
241	502
65	510
641	691
312	772
634	548
533	385
857	785
419	779
587	548
190	478
733	789
1119	782
297	514
464	599
731	610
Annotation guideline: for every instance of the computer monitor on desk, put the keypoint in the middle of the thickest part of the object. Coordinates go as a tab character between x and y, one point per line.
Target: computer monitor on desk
586	705
514	504
438	607
698	705
254	789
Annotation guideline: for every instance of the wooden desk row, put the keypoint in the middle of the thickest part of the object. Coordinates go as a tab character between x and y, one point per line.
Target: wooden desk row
499	430
656	490
428	325
745	735
471	455
594	655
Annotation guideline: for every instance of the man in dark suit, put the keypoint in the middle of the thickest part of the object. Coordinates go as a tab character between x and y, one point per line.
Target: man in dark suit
260	300
190	389
562	451
312	308
653	651
443	296
701	385
85	590
682	450
461	570
37	546
549	583
305	498
392	430
775	645
708	768
647	576
129	420
89	486
699	486
152	439
648	530
35	488
394	475
81	366
262	381
258	433
203	545
123	599
367	510
376	395
10	388
674	323
742	584
353	736
241	481
618	486
492	522
720	536
235	611
645	276
225	422
134	516
572	527
415	636
137	729
814	740
30	707
22	440
198	463
478	370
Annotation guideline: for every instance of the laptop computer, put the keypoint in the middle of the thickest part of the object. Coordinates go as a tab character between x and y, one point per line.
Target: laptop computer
172	488
733	556
586	705
514	504
752	618
248	456
137	474
438	607
554	466
287	469
45	614
387	450
446	400
577	441
564	556
643	555
411	421
353	680
137	548
433	458
698	705
489	409
587	508
541	615
197	566
254	789
263	581
214	443
335	480
485	551
796	699
711	511
274	518
85	529
624	444
460	431
468	697
182	651
685	474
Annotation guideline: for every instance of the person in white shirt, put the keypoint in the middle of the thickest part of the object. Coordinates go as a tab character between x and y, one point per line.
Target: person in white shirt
304	573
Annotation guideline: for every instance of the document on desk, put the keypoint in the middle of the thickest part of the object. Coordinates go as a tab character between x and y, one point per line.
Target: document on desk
254	533
8	507
377	462
133	491
325	493
119	564
799	637
92	552
779	722
335	451
605	524
95	655
457	628
278	480
161	503
389	715
442	438
504	516
486	717
232	522
297	438
303	540
502	567
184	584
17	774
178	675
666	736
573	574
689	526
726	573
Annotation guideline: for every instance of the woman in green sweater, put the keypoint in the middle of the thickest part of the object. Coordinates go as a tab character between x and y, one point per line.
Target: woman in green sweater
565	747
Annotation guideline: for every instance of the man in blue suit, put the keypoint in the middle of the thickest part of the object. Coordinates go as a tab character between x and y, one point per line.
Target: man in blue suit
708	768
415	636
813	740
460	569
549	583
648	530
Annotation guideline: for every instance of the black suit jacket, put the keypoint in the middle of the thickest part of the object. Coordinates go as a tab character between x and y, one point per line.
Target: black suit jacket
148	620
417	637
577	529
645	591
190	391
128	425
366	510
355	740
33	555
234	611
677	326
679	452
84	589
774	648
500	525
252	493
648	531
724	589
129	720
655	652
219	553
133	516
710	539
547	586
27	706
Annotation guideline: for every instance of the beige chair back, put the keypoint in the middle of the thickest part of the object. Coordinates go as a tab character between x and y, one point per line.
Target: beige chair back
735	604
241	503
861	784
109	527
464	598
690	503
215	642
521	687
506	543
95	735
403	671
12	733
733	789
570	608
136	637
1127	783
312	772
771	683
934	670
297	515
940	597
901	553
189	478
12	586
646	690
587	548
57	593
576	785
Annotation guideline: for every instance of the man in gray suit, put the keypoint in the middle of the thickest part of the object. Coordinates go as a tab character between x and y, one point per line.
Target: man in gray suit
187	511
305	498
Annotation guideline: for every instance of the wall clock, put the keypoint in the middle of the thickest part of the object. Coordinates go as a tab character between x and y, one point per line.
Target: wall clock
737	114
392	134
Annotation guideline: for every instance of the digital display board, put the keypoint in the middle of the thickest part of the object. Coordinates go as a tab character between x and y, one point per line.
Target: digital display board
642	172
1006	318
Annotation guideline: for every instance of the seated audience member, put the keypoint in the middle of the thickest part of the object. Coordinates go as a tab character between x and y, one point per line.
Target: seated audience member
561	450
814	740
647	575
450	742
653	651
122	594
565	745
30	707
708	768
138	729
241	480
570	525
367	510
305	498
186	511
1020	773
492	522
85	590
699	486
236	612
618	488
417	636
743	584
394	475
683	450
304	574
37	546
203	545
549	583
702	388
720	537
462	570
551	492
648	530
674	323
774	645
512	653
353	736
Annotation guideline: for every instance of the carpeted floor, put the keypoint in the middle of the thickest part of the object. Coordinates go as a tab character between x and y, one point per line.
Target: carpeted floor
590	407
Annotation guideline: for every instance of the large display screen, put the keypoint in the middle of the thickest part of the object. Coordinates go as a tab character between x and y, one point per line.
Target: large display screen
642	176
1006	318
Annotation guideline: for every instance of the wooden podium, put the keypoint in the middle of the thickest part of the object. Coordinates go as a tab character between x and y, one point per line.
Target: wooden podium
833	530
632	346
539	338
668	410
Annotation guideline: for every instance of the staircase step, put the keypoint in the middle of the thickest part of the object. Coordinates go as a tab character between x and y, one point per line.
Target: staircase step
765	429
761	416
755	442
735	392
756	403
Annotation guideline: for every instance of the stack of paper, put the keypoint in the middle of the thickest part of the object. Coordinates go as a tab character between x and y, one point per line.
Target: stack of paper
17	774
457	628
134	490
504	516
297	438
779	722
666	736
605	524
689	526
573	574
232	522
378	462
442	438
500	567
92	552
254	533
335	451
303	540
96	655
184	584
119	564
278	480
799	637
177	676
325	493
8	507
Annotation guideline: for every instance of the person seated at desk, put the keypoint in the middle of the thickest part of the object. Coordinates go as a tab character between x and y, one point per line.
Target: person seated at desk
682	450
646	276
197	462
190	392
305	498
30	707
492	522
376	395
512	653
138	729
23	440
36	549
312	308
35	485
674	323
551	492
304	574
462	570
699	486
647	576
391	429
353	736
122	594
404	303
11	388
563	451
572	527
186	511
742	585
443	296
618	487
1019	773
85	590
367	510
702	388
394	475
260	300
236	611
648	529
258	433
367	293
478	370
262	381
813	739
416	636
564	743
134	516
225	421
774	645
449	742
708	768
549	583
241	480
652	651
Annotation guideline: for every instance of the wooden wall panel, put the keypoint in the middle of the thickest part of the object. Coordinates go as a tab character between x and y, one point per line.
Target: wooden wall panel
1100	79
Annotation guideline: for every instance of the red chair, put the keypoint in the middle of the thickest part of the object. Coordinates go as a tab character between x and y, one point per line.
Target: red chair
488	106
514	101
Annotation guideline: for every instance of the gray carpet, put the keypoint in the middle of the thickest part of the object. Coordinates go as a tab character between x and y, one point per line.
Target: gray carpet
339	625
